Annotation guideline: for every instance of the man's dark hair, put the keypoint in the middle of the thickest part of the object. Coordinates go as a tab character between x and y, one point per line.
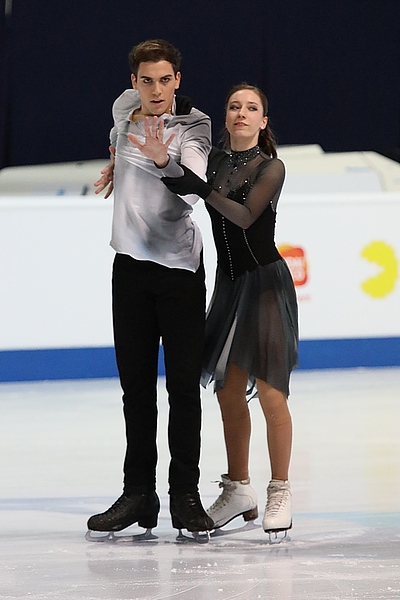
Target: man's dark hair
154	51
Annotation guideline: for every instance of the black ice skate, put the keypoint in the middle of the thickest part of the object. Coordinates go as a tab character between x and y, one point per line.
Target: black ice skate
187	512
142	509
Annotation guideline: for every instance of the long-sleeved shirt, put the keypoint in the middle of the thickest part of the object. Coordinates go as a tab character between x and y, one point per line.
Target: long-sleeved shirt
150	222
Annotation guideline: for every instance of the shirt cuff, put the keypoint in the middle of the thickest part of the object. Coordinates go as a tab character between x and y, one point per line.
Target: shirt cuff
172	169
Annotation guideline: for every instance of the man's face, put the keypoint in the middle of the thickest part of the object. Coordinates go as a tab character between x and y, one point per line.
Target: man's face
156	83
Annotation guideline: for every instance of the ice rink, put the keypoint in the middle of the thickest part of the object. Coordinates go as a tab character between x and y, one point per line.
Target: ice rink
62	446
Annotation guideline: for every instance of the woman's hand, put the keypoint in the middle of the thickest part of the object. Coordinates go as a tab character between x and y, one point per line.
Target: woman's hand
154	146
107	178
189	183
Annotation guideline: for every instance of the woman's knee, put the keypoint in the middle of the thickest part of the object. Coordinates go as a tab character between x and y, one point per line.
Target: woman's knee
274	405
232	405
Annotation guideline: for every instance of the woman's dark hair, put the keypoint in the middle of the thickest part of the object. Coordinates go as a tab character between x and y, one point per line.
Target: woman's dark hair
266	138
154	51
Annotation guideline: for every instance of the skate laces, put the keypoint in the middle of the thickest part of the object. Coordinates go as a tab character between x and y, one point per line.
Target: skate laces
223	499
278	495
220	502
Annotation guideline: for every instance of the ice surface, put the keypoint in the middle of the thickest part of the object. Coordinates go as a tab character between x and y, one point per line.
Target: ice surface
61	451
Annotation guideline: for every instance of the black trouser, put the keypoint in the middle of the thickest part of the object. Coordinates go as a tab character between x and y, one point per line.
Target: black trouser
152	301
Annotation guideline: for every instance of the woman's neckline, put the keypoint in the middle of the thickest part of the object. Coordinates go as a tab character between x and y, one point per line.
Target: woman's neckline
242	157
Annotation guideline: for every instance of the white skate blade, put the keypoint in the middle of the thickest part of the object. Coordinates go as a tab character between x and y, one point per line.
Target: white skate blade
250	526
277	537
116	538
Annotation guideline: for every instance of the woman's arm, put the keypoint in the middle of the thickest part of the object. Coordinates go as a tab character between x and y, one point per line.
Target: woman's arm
265	190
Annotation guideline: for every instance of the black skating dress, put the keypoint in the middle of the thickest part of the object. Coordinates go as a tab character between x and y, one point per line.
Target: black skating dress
252	320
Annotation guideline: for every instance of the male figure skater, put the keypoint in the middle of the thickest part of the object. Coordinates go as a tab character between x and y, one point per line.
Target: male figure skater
158	287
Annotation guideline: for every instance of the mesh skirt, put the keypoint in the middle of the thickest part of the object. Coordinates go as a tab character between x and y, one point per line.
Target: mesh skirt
253	323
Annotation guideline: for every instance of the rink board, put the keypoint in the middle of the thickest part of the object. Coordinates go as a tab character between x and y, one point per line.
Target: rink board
55	265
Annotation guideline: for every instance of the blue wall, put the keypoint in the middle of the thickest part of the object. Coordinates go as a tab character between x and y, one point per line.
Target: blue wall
87	363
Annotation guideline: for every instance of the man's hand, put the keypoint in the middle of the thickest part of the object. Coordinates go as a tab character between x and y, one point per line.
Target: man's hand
107	178
154	146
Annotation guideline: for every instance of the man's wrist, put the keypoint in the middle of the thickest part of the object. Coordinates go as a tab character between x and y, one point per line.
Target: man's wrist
162	164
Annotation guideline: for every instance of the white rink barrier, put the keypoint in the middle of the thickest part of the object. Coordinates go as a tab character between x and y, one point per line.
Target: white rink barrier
55	267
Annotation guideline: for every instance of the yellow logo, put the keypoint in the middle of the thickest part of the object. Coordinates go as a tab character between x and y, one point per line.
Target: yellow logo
384	256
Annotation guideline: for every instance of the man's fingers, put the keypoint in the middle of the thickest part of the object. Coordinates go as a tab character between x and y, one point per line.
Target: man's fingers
169	140
161	130
109	191
147	127
134	140
154	128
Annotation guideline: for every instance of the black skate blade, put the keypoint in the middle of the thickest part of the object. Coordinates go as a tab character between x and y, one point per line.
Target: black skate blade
199	537
113	538
250	526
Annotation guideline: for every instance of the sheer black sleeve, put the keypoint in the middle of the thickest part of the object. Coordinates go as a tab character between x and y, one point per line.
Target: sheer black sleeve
265	190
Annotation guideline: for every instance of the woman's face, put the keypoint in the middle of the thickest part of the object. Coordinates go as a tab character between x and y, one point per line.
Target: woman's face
244	119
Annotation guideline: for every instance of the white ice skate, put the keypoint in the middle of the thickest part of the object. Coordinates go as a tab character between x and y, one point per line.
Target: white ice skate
278	510
237	498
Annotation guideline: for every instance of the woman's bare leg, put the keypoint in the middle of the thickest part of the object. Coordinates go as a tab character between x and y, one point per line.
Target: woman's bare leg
237	497
236	421
279	429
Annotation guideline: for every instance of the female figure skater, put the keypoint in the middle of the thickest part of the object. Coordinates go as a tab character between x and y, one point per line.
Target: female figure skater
252	329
